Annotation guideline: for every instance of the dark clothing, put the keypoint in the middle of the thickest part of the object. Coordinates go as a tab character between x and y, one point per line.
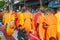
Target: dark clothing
22	34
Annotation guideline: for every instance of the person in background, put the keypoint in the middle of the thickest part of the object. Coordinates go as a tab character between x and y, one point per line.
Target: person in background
8	17
34	19
20	17
28	21
22	34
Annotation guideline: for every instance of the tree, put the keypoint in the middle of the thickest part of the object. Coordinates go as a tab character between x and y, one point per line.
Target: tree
2	3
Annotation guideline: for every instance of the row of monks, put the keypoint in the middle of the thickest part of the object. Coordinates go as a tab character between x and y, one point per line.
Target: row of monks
47	25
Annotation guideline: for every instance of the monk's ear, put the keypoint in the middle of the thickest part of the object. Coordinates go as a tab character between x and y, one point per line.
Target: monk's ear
52	38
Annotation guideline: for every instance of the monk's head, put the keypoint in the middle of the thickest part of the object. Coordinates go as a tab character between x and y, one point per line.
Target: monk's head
20	27
52	38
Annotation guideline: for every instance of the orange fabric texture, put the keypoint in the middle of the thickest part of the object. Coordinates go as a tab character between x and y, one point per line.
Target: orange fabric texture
28	22
10	29
40	27
51	21
20	18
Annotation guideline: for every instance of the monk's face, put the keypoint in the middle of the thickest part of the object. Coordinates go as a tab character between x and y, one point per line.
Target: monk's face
20	28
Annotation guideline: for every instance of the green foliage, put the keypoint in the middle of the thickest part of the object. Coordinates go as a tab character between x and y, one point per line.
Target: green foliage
2	3
23	34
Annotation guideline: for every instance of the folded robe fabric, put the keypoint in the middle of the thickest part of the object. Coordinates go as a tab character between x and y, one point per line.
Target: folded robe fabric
58	24
28	22
20	18
34	19
51	21
7	18
40	27
9	31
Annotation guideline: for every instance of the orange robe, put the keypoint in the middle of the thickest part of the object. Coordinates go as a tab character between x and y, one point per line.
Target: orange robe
34	20
28	22
58	24
7	18
41	30
16	19
51	21
21	18
10	29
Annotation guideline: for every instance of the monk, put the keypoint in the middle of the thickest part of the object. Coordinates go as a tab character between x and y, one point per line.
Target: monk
9	17
58	23
51	24
41	31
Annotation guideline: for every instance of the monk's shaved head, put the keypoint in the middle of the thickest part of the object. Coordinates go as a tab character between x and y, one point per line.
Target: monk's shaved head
52	38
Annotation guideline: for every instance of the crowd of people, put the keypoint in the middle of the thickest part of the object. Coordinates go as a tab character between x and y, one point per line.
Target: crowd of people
39	25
